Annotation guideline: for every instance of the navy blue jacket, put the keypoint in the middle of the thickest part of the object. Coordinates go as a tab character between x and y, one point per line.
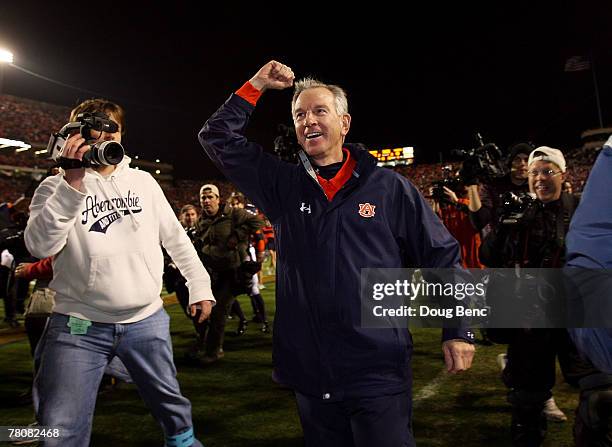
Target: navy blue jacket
319	347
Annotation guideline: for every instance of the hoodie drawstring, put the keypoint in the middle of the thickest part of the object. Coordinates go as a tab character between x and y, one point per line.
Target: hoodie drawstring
135	220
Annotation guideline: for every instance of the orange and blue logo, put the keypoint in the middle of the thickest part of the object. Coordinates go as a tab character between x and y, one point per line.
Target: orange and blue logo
366	210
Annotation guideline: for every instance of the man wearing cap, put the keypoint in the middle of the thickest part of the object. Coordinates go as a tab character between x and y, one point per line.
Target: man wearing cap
536	242
221	239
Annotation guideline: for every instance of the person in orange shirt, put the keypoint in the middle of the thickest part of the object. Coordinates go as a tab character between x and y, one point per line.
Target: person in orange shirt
453	211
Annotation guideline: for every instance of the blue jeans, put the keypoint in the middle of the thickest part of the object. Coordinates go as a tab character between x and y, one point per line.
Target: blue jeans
72	367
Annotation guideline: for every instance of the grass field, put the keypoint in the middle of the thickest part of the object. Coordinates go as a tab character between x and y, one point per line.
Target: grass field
235	402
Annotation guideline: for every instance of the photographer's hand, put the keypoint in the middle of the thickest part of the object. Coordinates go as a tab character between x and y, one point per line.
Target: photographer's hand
75	147
450	194
474	198
273	75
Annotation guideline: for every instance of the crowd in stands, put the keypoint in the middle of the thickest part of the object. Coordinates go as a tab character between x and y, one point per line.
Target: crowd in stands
182	192
33	121
30	121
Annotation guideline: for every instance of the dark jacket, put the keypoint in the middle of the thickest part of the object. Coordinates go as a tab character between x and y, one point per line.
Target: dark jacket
222	240
537	243
320	348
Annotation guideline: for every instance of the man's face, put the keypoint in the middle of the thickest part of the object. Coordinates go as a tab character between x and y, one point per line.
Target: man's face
545	180
189	218
209	202
319	128
518	169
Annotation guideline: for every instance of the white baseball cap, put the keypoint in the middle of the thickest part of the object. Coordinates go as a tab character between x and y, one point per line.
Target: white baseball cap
210	186
545	153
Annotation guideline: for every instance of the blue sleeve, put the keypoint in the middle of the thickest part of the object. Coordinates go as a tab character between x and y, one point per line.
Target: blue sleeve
589	240
428	243
421	234
261	176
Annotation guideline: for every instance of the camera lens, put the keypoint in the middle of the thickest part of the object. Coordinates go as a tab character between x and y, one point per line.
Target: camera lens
106	153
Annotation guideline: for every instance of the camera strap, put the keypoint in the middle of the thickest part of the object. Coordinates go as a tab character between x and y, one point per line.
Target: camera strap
70	163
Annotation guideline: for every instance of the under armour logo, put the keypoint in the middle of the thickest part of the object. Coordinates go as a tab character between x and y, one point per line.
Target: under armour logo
366	210
305	208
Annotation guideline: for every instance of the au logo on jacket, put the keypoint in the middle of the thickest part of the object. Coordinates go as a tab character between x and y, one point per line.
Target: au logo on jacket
366	210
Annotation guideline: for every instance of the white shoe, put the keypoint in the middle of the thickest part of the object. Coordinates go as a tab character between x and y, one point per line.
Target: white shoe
552	412
502	361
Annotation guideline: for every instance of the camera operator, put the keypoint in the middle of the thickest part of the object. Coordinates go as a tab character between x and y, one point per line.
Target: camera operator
485	199
535	238
451	205
104	226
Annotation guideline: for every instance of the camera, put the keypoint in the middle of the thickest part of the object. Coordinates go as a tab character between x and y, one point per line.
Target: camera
453	183
517	208
482	163
286	146
102	153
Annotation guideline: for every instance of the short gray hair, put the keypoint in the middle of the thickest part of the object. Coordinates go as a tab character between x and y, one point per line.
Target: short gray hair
308	83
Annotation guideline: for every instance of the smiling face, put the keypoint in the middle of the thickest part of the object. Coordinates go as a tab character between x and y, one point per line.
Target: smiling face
319	128
546	180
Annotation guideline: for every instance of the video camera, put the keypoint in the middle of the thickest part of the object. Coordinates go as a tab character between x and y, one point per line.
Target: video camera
482	163
102	153
286	146
453	183
517	208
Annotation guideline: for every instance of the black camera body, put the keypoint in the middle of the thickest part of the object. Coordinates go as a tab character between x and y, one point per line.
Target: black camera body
518	208
102	153
286	146
482	163
437	190
453	183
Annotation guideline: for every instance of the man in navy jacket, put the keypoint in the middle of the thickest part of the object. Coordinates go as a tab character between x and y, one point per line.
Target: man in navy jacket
333	214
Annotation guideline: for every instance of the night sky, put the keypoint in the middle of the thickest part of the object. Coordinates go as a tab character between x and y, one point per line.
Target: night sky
428	79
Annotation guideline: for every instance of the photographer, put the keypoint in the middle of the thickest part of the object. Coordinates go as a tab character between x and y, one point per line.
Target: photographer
534	237
451	206
104	226
485	199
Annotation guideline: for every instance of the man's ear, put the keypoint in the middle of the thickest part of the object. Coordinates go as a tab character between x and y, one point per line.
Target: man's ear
346	124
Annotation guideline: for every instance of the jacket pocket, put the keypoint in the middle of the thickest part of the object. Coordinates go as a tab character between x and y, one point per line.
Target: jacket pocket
121	282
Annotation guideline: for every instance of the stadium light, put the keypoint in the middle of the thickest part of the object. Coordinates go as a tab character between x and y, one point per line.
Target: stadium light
6	56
